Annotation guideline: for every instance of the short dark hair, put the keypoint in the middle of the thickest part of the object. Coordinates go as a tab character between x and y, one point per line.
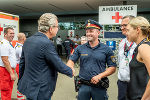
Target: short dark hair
6	29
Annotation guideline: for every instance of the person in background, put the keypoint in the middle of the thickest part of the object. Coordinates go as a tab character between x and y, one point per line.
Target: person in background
7	64
39	64
77	40
67	45
94	56
59	45
18	48
83	40
138	31
125	52
71	37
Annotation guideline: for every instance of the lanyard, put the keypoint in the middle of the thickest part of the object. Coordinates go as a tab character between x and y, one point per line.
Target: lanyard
135	50
127	49
11	44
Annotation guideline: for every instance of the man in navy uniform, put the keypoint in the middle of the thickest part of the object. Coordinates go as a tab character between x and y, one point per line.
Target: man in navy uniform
68	43
94	56
40	62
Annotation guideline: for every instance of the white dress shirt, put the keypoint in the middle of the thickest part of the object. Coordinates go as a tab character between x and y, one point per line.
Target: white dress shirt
6	49
124	72
59	41
18	48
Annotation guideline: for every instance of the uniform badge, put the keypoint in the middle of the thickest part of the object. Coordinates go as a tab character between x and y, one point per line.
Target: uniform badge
84	54
113	59
88	23
1	42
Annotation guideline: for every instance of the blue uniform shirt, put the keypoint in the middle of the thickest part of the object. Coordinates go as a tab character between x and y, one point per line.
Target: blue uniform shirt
93	60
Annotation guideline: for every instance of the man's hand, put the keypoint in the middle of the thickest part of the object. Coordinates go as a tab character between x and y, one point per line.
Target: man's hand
13	77
70	63
95	79
73	71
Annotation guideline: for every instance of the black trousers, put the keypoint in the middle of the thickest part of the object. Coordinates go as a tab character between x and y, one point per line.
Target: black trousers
122	90
59	49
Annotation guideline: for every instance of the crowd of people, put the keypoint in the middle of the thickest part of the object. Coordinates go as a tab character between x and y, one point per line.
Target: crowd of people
37	62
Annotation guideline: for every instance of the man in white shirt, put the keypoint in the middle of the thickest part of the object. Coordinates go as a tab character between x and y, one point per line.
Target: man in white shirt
125	52
18	47
7	64
59	45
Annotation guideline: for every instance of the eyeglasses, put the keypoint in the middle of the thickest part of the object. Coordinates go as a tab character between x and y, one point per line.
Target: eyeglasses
123	25
57	27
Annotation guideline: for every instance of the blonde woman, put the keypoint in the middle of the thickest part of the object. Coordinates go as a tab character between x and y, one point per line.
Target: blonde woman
138	31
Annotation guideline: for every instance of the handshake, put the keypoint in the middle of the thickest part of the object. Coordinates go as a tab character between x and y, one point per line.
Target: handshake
70	64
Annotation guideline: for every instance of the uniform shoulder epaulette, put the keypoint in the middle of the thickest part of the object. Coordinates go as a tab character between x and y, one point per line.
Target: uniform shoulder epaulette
18	46
1	42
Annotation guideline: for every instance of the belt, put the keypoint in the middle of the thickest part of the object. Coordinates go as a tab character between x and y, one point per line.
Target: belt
87	82
123	81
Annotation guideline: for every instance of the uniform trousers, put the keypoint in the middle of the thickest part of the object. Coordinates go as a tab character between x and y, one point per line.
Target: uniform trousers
122	90
87	92
6	84
19	95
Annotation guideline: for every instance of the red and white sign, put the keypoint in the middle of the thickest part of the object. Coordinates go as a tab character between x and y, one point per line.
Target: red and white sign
71	33
8	20
113	14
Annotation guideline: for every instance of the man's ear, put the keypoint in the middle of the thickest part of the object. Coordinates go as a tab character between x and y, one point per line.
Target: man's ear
50	29
4	34
98	31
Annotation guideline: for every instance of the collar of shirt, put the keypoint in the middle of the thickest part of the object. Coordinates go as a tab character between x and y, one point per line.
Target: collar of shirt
19	44
4	40
127	42
88	45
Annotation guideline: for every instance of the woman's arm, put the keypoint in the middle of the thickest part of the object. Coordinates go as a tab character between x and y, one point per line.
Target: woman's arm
144	55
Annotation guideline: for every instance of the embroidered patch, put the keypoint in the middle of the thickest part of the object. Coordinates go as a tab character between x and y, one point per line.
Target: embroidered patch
84	54
1	42
113	59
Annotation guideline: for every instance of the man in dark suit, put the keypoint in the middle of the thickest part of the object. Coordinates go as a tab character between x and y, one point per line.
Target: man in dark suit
40	62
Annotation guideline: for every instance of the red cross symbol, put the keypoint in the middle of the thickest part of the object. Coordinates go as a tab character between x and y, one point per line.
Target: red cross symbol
71	33
116	17
1	29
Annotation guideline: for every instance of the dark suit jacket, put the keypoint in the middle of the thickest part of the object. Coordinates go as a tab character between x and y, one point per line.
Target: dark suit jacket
38	68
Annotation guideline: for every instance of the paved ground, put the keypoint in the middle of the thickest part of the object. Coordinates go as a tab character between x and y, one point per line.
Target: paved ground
65	88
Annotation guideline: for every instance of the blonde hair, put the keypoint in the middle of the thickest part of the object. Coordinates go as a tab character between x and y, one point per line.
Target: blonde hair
46	21
21	36
143	24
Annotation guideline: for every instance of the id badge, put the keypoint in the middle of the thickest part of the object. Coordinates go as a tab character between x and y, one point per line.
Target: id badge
126	61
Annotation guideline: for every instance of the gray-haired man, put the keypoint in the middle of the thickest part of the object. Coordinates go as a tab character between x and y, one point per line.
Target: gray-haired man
125	52
40	62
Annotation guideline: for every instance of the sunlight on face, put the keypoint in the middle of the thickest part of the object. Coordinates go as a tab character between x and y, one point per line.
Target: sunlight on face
131	33
92	34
